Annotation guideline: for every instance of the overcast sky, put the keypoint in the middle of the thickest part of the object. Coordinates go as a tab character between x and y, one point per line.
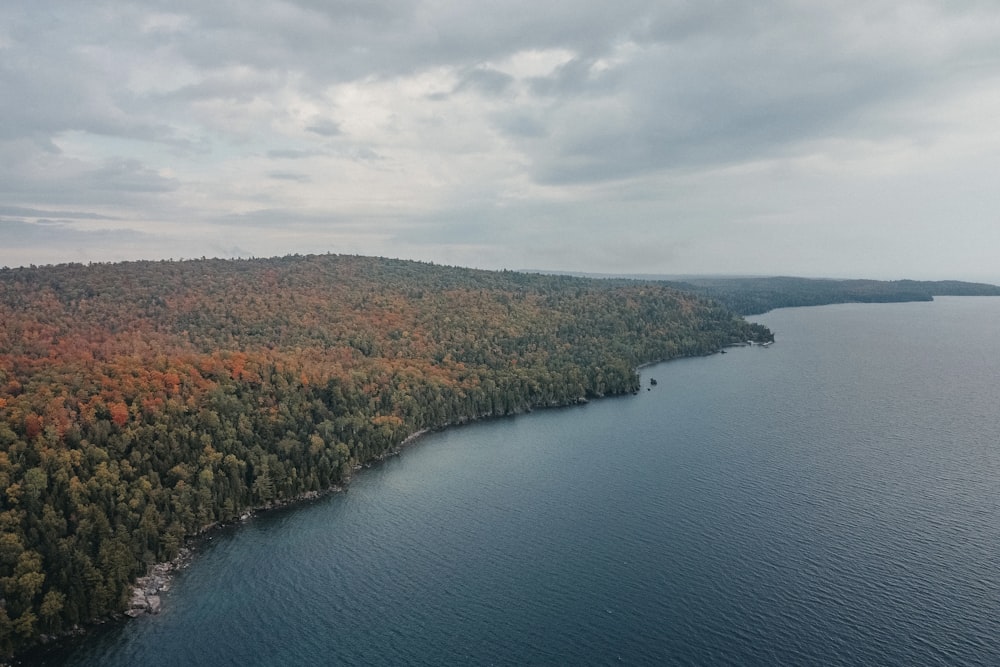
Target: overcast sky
844	139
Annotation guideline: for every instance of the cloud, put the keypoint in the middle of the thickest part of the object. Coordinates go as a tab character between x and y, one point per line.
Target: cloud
485	81
41	177
703	95
276	217
509	131
289	176
20	212
46	240
291	154
324	128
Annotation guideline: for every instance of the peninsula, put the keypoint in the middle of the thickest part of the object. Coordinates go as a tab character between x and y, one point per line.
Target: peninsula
144	402
141	403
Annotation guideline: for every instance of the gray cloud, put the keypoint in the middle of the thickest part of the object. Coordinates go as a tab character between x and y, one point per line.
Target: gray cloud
518	124
324	128
291	154
495	131
289	176
19	235
278	218
21	212
485	80
705	94
38	177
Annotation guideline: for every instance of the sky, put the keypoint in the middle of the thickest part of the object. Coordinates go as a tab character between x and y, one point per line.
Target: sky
856	138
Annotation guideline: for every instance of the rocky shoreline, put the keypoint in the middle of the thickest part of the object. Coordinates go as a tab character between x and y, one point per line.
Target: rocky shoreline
145	598
146	593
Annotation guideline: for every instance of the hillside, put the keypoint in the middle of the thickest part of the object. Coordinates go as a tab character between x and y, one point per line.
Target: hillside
143	402
751	296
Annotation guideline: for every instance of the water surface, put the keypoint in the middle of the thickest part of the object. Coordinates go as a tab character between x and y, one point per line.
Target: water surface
832	499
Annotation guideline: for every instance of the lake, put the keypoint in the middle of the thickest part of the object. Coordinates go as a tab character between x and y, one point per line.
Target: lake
829	500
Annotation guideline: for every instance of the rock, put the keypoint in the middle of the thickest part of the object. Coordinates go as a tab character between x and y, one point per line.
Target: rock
138	605
145	598
138	599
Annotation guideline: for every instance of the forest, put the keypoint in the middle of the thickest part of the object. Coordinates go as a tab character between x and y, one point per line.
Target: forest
752	296
142	403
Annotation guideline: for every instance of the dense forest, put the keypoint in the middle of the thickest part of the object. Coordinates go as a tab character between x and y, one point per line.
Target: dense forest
751	296
141	403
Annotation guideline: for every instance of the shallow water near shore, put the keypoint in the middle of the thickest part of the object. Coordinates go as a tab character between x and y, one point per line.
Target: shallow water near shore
832	499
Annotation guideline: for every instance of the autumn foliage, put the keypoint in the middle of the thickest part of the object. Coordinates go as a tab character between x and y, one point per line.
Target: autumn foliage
143	402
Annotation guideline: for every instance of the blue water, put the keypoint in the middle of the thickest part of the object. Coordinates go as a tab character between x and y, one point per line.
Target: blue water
830	500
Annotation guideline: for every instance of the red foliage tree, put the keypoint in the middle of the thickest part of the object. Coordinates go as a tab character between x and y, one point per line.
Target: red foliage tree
119	413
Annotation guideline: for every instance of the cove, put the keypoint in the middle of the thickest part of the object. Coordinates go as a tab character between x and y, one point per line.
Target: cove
831	499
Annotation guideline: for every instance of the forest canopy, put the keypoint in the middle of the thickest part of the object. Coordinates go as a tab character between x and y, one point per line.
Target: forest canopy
751	296
143	402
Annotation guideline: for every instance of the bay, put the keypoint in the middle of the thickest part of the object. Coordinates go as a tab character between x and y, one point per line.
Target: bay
831	499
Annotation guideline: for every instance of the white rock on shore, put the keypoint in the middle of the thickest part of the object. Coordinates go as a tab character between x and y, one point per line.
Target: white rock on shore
145	598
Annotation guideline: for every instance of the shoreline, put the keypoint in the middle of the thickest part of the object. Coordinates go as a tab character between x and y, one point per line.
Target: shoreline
144	599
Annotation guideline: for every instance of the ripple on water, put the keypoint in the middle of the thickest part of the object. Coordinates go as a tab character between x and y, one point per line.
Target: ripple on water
830	500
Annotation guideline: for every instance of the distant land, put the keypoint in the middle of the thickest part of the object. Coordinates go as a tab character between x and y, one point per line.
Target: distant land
753	295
